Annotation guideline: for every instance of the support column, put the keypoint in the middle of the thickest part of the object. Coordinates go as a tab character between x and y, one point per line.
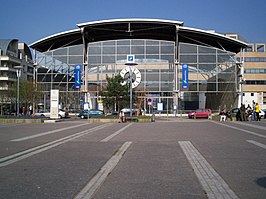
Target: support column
176	89
85	66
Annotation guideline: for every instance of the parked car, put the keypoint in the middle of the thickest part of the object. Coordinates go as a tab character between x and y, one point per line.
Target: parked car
83	114
45	113
90	113
200	113
264	110
135	111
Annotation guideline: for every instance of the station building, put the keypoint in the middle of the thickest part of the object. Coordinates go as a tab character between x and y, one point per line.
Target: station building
184	68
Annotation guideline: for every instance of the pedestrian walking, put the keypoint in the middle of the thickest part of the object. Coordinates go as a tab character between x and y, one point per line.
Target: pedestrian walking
253	111
243	112
248	112
222	115
257	111
121	117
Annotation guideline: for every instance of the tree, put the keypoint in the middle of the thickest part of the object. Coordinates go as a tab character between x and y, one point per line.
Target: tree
115	95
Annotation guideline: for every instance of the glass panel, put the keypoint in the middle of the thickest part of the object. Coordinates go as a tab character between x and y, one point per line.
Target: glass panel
123	42
108	59
61	58
207	58
152	57
76	50
207	67
121	57
75	60
108	50
185	48
123	50
170	58
152	42
62	51
94	50
137	49
188	58
95	44
167	50
94	59
137	42
108	43
206	50
152	49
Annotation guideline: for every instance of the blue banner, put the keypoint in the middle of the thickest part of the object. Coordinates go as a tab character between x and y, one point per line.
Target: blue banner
77	76
184	76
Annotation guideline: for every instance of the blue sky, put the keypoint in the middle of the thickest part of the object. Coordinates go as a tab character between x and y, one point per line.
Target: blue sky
31	20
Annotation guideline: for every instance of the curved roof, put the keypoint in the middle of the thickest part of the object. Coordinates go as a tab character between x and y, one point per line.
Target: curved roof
5	44
137	29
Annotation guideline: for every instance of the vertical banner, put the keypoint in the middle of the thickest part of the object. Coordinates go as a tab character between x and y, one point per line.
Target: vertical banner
184	76
77	76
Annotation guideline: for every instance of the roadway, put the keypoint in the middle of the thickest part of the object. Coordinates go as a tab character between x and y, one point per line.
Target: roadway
175	158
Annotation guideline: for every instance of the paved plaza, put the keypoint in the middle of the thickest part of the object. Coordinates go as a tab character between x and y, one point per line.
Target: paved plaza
170	158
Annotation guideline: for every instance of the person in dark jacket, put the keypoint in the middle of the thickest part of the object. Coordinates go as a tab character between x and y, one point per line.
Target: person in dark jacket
243	112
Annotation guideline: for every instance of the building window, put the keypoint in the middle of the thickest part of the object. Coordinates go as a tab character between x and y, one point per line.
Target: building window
250	48
260	47
255	71
255	59
256	82
252	94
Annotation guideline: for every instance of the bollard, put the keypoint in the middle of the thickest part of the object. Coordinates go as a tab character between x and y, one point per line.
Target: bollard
153	117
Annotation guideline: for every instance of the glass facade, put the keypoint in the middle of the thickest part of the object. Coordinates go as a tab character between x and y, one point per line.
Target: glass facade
212	73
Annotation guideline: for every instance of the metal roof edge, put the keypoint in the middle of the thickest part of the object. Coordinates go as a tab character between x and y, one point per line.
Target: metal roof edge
55	35
144	20
214	34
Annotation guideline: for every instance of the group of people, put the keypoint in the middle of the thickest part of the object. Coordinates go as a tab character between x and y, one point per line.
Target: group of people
245	112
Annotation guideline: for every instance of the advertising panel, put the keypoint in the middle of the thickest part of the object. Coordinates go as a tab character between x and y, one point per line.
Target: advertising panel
184	76
77	76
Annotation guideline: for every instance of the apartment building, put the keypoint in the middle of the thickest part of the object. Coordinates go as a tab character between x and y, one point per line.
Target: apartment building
13	53
254	75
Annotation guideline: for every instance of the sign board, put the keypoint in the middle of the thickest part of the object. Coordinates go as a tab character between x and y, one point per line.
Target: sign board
184	76
100	104
54	101
86	106
149	100
77	76
130	59
159	106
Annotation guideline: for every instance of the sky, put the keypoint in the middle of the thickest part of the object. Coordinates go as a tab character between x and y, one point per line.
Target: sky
31	20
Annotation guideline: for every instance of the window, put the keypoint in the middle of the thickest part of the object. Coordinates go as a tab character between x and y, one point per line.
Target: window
249	48
255	71
256	82
255	59
260	47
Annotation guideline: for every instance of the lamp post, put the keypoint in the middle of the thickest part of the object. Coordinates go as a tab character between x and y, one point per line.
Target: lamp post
130	63
18	70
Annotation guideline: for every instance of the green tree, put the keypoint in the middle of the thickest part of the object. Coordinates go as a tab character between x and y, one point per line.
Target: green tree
116	95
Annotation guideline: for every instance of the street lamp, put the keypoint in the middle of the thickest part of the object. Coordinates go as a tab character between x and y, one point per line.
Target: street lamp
18	70
130	63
